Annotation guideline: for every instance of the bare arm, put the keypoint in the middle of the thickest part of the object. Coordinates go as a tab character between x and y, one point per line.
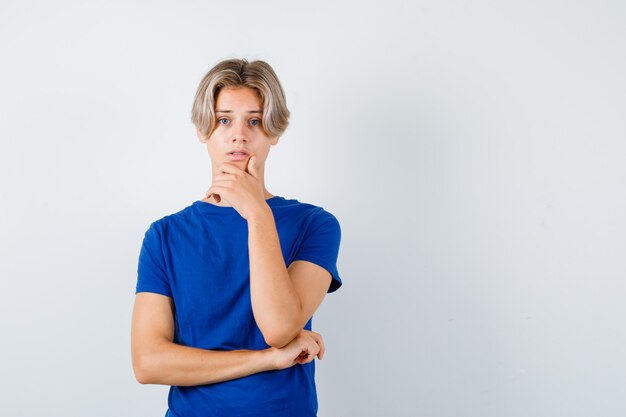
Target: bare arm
283	300
158	360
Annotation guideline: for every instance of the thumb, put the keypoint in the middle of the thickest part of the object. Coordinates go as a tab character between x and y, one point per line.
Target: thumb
252	168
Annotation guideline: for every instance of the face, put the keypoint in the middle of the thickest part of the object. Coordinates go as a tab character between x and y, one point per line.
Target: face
238	134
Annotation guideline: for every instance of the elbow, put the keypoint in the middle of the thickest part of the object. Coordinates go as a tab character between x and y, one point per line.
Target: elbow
149	363
142	378
279	331
276	341
278	337
142	370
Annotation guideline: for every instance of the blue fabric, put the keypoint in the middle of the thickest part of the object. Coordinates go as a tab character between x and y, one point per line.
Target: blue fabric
199	257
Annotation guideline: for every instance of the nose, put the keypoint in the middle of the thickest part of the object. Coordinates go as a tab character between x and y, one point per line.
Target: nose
239	133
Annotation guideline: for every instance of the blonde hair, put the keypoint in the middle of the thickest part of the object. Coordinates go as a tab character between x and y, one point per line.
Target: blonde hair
257	75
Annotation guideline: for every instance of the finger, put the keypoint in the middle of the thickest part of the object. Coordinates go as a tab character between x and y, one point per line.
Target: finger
302	357
307	359
224	179
222	176
225	176
217	188
217	191
230	169
320	342
313	347
252	167
319	345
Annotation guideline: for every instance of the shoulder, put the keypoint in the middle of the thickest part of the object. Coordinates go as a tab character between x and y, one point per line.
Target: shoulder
162	225
311	218
314	213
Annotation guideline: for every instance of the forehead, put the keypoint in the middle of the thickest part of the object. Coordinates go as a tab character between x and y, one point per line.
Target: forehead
238	98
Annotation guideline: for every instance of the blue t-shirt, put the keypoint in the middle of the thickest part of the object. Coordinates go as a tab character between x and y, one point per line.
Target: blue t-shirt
199	258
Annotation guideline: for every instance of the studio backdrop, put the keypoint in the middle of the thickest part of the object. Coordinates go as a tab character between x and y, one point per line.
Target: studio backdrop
473	153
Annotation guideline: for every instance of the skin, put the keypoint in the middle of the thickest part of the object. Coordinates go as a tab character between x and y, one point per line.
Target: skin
238	113
283	299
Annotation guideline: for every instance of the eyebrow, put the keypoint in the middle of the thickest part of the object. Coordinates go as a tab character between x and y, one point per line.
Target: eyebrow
230	111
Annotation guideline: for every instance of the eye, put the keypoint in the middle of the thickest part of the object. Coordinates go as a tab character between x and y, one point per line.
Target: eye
223	121
255	122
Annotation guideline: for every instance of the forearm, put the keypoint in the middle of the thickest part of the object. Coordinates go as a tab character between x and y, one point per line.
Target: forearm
173	364
275	302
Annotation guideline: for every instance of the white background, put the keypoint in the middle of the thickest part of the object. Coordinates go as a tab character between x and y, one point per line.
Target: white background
472	151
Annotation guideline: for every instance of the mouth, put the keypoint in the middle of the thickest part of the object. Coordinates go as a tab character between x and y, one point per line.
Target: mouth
238	155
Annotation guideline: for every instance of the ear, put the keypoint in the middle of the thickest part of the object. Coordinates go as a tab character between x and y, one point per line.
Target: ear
203	138
274	140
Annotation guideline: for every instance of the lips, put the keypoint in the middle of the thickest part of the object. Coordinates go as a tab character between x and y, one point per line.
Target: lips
238	152
238	155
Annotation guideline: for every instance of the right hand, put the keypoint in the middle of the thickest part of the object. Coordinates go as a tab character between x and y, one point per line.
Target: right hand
300	350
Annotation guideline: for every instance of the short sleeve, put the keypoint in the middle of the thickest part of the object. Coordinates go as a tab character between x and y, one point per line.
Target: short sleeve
320	245
151	271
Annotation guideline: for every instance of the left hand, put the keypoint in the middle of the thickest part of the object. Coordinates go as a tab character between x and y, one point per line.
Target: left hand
241	189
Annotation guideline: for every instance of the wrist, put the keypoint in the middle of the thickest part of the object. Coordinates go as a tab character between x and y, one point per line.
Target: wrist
269	358
260	214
